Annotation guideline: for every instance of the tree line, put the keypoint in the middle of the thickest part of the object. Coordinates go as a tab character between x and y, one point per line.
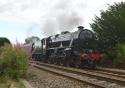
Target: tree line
110	30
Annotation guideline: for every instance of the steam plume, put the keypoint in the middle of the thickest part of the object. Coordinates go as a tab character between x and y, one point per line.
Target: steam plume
63	17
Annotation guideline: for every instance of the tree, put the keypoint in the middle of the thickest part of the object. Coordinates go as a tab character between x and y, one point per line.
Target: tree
110	30
110	27
31	39
4	40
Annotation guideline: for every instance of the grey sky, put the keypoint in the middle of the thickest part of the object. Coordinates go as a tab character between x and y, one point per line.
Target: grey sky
52	16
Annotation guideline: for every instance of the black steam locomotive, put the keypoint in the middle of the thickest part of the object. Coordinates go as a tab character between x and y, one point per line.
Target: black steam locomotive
70	49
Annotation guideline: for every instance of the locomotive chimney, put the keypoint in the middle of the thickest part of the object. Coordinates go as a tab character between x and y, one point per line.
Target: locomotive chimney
80	28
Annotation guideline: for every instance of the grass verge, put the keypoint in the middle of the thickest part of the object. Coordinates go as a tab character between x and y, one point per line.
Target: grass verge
12	84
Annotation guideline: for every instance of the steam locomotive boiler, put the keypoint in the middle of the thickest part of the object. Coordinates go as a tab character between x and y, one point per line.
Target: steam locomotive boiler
70	48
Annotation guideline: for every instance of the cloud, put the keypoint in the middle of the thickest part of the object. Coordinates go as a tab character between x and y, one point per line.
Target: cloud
22	10
53	15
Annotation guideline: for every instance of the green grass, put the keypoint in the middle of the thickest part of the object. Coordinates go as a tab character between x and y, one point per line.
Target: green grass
21	85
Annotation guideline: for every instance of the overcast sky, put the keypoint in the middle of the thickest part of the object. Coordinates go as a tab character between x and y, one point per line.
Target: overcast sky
23	18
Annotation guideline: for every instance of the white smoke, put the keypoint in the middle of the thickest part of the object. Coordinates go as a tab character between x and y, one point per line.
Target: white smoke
63	22
62	17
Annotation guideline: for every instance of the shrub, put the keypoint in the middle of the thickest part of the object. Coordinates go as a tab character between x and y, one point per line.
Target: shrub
116	55
120	54
3	41
13	62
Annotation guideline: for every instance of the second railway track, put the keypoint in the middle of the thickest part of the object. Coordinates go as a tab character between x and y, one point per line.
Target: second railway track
96	78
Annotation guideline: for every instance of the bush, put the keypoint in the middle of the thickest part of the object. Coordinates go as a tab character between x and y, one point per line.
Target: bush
116	55
120	54
4	41
13	62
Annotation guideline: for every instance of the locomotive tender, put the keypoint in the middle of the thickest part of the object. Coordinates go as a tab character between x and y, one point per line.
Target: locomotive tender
69	48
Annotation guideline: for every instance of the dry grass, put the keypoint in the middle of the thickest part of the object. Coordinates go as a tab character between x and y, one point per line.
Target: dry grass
12	84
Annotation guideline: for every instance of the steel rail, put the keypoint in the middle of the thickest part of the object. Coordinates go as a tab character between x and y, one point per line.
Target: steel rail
111	78
67	75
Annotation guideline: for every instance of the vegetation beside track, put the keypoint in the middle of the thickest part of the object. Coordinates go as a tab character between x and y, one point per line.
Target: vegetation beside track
13	65
12	84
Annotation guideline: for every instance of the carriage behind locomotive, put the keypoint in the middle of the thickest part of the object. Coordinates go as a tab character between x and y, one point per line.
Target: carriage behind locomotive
69	49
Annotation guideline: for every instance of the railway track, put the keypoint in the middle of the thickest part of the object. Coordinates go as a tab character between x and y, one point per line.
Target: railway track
110	73
97	78
111	70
